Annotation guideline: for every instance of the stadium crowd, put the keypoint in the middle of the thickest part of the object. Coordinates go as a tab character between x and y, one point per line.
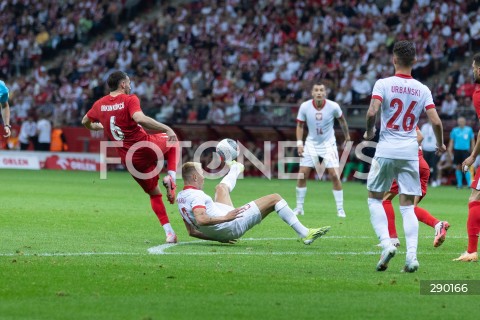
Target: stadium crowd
222	61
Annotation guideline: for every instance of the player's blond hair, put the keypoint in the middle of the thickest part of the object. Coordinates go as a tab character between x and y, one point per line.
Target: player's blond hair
189	168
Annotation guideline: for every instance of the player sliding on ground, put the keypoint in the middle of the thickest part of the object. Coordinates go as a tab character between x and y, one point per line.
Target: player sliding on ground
219	220
423	215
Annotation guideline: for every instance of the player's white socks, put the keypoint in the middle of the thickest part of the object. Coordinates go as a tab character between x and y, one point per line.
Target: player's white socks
168	228
410	226
231	178
379	221
338	195
172	174
287	215
301	193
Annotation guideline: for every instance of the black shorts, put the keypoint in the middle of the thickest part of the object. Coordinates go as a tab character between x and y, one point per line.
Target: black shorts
460	155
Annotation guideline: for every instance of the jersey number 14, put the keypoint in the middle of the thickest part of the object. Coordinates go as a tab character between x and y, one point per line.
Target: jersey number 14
408	119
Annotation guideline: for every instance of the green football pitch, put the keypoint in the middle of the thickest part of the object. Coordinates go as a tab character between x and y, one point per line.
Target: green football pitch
73	246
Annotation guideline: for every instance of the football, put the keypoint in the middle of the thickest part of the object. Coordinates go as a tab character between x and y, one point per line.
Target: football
227	149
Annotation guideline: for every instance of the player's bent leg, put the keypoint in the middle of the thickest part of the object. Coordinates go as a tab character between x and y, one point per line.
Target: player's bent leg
230	178
222	194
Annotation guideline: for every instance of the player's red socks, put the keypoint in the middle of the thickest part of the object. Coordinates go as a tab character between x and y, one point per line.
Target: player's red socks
425	217
387	205
473	225
159	208
172	156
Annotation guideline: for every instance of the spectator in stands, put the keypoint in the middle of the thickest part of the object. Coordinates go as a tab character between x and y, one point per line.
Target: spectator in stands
28	132
44	133
361	88
216	114
232	111
466	89
206	49
344	97
449	107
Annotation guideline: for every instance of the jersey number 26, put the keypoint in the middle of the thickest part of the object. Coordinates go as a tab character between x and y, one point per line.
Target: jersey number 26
408	119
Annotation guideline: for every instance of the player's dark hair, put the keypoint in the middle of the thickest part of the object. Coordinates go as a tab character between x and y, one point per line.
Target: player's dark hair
115	78
405	53
476	59
317	82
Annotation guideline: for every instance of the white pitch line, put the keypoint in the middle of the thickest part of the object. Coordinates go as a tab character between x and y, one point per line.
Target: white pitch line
69	254
161	249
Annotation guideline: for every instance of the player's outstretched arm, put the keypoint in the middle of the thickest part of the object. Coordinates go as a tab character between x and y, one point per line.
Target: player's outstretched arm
437	129
6	118
152	124
95	126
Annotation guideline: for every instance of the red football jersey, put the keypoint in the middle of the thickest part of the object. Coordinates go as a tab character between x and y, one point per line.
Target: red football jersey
115	114
476	100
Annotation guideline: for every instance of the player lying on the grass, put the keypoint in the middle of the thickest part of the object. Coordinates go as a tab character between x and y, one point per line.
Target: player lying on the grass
219	220
423	215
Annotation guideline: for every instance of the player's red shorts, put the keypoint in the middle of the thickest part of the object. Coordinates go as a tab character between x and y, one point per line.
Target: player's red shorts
476	181
424	171
145	159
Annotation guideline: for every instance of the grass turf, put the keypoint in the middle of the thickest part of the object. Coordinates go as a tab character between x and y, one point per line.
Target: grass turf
75	247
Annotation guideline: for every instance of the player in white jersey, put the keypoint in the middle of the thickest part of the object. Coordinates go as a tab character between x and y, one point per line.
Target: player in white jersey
219	220
402	99
319	114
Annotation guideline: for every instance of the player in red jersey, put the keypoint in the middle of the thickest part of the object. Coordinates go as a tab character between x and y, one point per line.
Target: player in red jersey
120	116
473	221
423	215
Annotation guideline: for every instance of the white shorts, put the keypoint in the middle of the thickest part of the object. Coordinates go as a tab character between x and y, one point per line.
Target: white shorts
383	171
329	153
234	229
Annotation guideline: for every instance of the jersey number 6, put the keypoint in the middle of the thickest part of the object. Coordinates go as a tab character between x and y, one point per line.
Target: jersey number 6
408	120
117	133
